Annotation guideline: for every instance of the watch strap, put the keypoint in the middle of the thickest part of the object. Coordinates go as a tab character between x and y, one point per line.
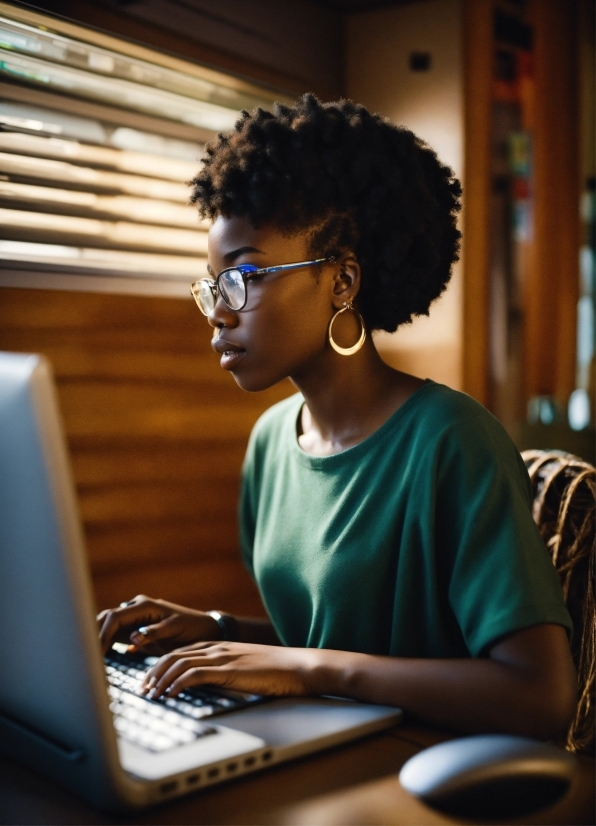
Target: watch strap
228	625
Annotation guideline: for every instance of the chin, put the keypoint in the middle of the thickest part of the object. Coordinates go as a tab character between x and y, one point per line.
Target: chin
255	384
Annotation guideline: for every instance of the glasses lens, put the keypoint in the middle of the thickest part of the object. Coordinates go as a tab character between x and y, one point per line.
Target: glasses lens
203	294
233	289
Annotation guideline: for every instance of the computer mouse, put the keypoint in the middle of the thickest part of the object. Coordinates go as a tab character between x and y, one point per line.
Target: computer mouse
489	776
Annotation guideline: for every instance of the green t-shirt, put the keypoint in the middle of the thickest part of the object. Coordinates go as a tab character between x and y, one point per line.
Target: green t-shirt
417	542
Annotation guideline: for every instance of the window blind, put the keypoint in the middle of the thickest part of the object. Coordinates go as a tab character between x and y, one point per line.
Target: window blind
98	139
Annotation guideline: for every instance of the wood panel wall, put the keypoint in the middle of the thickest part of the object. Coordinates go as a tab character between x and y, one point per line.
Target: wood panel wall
478	66
156	431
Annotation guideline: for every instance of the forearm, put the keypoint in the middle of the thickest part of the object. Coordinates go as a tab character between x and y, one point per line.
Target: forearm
472	695
259	631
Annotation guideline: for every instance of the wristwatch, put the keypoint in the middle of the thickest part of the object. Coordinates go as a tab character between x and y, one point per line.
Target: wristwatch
228	625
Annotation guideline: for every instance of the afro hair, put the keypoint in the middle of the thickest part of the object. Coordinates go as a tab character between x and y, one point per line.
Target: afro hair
357	183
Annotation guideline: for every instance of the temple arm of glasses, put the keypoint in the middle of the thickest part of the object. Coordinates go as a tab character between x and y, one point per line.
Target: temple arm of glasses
292	266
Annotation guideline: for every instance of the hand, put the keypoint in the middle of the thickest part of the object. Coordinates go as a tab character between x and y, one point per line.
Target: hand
154	625
256	669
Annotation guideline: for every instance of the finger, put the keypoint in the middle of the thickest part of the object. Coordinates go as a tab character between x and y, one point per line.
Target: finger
156	671
116	622
197	646
204	675
133	601
164	665
109	630
200	649
186	672
102	614
168	628
159	685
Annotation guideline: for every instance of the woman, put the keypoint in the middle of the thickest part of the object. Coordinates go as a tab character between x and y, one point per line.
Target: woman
385	519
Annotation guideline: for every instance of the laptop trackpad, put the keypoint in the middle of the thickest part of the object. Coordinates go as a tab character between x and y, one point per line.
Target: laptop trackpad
293	721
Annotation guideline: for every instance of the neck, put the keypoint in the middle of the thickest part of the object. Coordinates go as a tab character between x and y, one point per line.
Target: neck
348	398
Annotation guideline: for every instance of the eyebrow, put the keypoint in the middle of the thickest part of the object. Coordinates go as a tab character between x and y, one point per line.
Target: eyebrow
230	257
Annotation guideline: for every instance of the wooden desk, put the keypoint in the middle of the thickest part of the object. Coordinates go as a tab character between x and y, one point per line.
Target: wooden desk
353	784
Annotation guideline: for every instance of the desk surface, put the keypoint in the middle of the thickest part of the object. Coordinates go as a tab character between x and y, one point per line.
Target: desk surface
352	784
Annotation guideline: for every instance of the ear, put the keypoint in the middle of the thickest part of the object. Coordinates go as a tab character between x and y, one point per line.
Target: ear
346	279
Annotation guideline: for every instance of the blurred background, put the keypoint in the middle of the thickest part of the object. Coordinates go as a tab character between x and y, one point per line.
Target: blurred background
105	108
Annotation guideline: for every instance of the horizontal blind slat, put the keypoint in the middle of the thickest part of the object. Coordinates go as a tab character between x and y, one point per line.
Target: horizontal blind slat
136	163
85	204
85	178
114	234
70	258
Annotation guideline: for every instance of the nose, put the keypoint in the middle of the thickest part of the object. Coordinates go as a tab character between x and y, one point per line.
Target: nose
221	315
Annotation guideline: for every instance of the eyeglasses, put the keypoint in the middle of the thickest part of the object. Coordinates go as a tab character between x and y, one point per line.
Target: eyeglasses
232	284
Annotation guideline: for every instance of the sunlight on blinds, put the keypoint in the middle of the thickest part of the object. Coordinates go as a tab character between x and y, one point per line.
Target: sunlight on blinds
94	171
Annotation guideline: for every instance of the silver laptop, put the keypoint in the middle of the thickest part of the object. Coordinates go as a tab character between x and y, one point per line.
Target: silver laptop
63	709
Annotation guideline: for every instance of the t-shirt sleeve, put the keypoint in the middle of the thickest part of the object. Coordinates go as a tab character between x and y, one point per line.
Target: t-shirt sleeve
262	446
250	484
247	506
501	578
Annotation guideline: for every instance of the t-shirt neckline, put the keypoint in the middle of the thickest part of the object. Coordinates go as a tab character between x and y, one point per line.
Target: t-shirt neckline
351	453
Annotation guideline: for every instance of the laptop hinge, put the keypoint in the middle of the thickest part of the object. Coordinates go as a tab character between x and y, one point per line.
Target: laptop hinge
67	753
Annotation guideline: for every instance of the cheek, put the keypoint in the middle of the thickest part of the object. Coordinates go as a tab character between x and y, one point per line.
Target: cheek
301	323
280	337
295	314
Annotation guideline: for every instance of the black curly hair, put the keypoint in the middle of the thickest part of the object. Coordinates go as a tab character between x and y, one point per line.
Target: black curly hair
357	182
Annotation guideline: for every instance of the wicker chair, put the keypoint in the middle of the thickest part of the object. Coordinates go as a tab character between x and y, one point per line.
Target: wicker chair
564	509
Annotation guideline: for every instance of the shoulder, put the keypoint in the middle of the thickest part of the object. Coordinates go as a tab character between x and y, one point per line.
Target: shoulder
451	413
465	434
444	406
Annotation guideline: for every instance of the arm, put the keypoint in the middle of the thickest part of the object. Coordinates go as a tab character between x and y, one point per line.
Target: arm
526	686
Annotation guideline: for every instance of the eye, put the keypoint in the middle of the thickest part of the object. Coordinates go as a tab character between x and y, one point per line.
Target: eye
250	271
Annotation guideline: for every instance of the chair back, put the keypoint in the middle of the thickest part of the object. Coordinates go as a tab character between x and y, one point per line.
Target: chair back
564	508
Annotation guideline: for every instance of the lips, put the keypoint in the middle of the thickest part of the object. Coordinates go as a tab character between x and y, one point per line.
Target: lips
230	353
221	346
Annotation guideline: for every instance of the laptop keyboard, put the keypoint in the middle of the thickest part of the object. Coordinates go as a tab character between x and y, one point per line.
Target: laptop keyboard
162	724
151	726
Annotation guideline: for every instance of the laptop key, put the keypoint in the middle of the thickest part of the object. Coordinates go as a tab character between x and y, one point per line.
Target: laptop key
225	702
133	700
171	717
185	708
162	742
202	711
191	725
155	710
185	736
121	725
132	714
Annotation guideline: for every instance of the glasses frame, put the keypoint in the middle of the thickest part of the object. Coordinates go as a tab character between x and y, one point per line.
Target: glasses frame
247	271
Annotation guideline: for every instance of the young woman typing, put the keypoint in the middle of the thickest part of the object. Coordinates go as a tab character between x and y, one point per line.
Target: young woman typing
385	519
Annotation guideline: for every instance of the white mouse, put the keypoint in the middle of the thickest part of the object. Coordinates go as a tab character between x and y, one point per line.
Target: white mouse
489	776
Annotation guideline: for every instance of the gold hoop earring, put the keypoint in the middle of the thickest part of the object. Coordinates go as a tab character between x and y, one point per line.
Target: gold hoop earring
347	351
